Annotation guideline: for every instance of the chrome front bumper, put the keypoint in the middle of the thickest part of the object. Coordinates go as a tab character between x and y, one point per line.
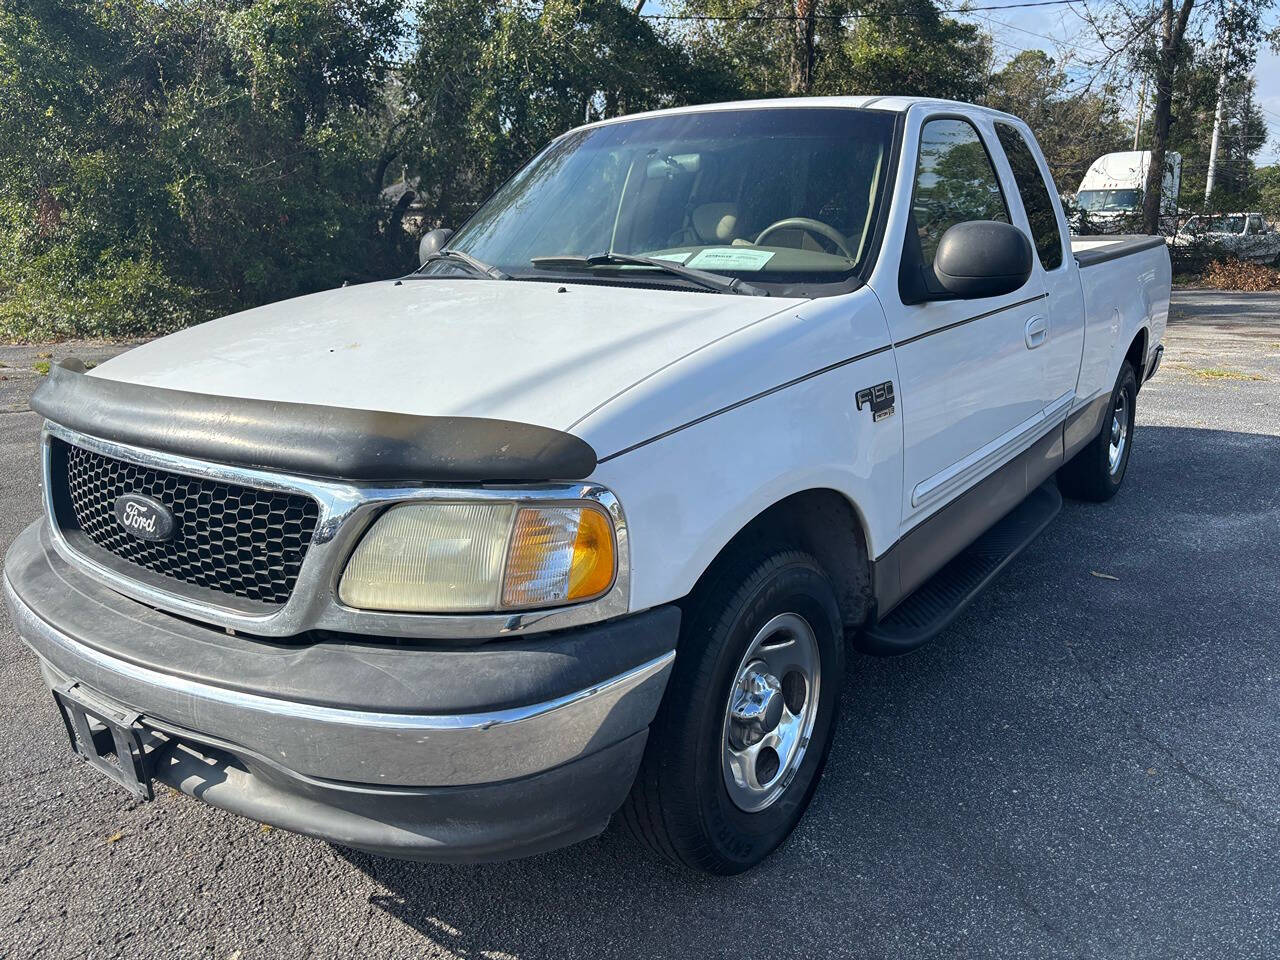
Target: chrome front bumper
358	745
333	724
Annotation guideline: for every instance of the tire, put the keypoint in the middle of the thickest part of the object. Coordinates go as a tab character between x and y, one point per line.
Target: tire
680	806
1096	473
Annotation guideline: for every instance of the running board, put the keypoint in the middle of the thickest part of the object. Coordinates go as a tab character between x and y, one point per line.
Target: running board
941	598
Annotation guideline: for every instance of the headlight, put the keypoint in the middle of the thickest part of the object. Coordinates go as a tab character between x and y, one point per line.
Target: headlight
477	557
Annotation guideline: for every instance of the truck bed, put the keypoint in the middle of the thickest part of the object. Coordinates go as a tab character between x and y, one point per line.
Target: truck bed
1125	282
1093	250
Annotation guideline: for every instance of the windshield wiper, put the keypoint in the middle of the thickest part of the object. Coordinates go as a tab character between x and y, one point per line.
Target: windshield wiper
712	281
467	260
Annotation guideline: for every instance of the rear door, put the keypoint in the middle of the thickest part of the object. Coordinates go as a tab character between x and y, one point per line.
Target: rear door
1261	242
971	390
1057	345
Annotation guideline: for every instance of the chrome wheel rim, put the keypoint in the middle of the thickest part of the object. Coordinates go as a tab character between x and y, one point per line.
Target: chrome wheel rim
1119	431
770	713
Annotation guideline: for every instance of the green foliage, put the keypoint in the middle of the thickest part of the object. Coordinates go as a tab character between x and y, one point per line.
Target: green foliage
164	162
161	163
491	83
906	47
1243	135
1267	180
1072	128
856	47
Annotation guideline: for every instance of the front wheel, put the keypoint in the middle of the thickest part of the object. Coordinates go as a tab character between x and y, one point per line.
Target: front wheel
741	739
1097	471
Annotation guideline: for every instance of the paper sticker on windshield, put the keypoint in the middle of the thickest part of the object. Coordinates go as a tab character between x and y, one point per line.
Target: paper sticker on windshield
673	257
730	258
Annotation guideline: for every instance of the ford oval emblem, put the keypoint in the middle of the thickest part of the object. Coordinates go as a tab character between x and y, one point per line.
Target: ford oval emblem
144	517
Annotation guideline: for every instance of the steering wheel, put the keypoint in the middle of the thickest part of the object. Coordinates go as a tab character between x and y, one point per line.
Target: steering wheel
811	226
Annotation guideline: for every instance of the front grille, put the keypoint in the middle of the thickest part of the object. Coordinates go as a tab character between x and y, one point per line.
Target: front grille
228	538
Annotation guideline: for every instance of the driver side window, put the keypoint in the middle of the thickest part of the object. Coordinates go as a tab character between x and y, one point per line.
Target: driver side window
955	182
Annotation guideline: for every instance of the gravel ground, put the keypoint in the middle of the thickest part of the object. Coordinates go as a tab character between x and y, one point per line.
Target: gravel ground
1082	766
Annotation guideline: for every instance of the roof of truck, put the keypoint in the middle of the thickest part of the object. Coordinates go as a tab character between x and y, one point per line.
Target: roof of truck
889	104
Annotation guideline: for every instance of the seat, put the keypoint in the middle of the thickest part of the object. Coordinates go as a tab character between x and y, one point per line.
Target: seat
715	222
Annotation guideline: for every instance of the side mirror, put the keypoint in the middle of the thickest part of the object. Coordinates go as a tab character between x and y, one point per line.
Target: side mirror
432	243
982	258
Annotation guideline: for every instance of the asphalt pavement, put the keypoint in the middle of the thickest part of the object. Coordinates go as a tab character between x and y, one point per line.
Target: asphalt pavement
1085	765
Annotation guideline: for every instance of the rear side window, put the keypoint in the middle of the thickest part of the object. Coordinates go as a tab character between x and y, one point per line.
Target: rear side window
955	182
1036	199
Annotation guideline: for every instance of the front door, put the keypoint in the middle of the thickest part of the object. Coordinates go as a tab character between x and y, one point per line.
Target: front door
971	389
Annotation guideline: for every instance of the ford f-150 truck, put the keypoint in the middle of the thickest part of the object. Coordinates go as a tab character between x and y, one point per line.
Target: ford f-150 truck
579	519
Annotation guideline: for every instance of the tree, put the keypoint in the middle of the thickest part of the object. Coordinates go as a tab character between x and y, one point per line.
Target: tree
490	84
838	47
1243	134
1156	38
1073	128
1167	56
1268	184
163	162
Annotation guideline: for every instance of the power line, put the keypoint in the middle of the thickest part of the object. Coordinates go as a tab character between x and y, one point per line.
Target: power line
1055	40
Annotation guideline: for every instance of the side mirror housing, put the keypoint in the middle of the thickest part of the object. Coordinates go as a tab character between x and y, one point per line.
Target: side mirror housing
432	243
982	258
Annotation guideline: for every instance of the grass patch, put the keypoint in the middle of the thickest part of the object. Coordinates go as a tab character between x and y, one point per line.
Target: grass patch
41	367
1222	373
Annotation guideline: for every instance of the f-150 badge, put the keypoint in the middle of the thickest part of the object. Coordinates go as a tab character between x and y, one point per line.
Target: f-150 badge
879	398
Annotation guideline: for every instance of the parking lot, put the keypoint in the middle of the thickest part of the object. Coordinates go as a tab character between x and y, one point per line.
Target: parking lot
1085	765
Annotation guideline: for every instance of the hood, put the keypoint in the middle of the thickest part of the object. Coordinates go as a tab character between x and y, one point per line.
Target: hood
511	350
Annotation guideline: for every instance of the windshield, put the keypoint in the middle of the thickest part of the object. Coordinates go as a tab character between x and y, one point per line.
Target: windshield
1225	224
1109	201
783	198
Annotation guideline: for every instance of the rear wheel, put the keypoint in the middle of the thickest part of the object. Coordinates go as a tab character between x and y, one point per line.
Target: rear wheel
1097	471
742	736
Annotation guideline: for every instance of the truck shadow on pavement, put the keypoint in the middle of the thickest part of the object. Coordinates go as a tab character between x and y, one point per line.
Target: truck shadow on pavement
1084	762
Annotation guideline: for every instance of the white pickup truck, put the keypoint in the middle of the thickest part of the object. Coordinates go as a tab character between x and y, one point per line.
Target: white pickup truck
579	518
1246	236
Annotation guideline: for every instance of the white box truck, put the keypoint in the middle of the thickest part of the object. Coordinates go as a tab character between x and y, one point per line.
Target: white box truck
1110	195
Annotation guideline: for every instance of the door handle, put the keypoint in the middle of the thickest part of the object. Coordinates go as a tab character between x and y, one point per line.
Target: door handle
1037	332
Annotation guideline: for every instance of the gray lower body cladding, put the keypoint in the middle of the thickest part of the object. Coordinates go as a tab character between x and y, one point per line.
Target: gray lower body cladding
422	751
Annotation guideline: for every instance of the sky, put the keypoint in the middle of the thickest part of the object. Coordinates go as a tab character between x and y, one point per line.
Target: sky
1065	32
1267	73
1061	31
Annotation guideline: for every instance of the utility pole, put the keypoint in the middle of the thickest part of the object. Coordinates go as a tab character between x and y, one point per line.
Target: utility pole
1142	106
1217	118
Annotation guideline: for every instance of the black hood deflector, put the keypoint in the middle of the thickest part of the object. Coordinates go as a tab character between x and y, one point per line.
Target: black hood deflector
310	439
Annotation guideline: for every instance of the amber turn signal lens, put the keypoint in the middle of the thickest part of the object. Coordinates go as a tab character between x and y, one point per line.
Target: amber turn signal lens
591	570
559	554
